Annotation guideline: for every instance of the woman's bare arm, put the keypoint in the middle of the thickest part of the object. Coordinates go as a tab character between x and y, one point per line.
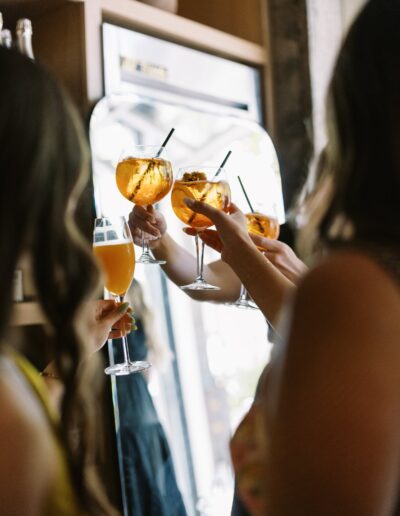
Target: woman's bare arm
266	284
181	269
181	265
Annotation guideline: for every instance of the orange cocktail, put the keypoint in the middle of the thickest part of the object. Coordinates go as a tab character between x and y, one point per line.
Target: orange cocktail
193	186
117	261
144	177
259	224
144	181
204	184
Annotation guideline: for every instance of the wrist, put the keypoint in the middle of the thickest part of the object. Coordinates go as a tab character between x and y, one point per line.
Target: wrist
161	245
155	244
237	256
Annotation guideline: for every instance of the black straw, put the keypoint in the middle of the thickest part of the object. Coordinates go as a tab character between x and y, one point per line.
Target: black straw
245	194
165	142
222	164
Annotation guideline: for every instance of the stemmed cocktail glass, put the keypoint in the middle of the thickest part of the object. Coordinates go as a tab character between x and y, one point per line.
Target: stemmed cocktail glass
144	177
257	224
205	184
263	225
114	250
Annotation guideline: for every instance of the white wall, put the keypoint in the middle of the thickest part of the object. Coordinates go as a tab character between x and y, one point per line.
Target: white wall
350	9
328	21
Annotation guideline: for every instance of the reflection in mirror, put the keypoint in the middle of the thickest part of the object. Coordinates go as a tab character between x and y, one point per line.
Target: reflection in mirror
214	353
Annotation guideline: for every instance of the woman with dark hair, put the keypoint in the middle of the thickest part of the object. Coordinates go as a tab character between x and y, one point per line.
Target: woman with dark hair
47	465
331	443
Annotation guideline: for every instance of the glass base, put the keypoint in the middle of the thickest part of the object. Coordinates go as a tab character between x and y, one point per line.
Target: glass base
129	368
147	259
199	285
245	304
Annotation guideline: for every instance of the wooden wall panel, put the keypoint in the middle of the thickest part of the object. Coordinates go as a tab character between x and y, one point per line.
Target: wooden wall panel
239	17
287	31
59	43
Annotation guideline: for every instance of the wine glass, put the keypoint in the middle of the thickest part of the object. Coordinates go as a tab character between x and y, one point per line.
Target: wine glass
144	177
205	184
114	250
263	225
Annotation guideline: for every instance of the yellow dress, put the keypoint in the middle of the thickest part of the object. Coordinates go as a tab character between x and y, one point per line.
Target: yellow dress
62	501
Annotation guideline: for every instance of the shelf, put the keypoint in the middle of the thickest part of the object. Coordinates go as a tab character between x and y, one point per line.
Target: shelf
134	14
27	314
14	9
67	38
131	13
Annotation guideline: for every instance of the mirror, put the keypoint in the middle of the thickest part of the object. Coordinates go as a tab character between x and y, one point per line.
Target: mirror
213	354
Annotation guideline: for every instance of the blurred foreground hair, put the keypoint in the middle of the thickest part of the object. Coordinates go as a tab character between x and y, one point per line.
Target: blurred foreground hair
44	169
357	193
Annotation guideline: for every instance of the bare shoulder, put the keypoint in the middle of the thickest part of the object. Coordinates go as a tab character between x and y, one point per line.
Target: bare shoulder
334	388
348	307
352	282
27	459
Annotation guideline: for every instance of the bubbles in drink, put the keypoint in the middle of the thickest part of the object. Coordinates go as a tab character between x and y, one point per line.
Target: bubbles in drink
117	261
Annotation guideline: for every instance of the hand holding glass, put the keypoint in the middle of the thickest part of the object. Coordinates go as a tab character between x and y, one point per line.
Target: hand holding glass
263	225
144	177
205	185
115	253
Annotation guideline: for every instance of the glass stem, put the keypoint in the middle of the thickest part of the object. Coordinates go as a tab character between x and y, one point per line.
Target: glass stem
243	293
200	258
196	241
125	349
145	245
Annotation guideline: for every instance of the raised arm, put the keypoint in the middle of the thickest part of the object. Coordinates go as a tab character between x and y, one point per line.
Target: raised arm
181	265
266	284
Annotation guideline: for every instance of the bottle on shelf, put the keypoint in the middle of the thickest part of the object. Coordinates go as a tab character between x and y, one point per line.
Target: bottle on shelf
24	37
5	35
6	38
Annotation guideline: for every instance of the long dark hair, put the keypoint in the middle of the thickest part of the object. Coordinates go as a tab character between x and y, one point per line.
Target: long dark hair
44	168
363	116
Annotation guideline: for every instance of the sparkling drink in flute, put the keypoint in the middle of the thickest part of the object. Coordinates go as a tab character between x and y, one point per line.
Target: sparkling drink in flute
114	251
118	265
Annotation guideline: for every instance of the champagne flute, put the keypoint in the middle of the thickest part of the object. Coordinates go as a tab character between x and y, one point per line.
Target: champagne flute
144	177
114	250
205	184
